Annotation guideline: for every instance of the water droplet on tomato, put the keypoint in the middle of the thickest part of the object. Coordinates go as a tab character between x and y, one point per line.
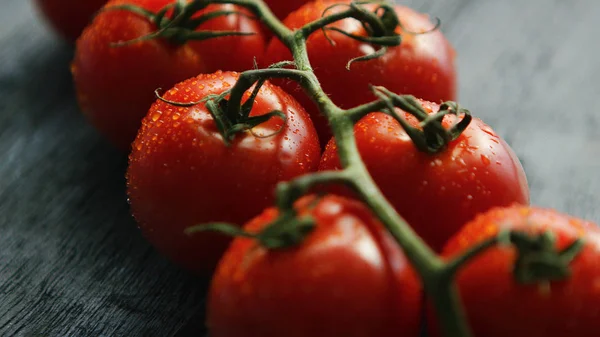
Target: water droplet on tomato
485	160
489	131
155	116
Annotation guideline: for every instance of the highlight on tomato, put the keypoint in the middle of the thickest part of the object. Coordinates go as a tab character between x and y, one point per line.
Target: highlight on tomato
436	193
347	277
119	63
188	168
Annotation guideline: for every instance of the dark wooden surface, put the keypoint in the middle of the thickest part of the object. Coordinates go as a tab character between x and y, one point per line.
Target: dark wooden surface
72	262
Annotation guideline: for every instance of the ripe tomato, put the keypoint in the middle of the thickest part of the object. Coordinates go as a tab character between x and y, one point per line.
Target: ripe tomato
283	8
497	305
181	172
437	194
115	85
348	278
69	17
423	65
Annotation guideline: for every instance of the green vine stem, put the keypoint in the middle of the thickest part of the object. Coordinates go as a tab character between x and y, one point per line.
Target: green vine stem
537	259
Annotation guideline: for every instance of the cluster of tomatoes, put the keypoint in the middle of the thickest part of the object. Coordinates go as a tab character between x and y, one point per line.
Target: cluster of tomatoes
349	277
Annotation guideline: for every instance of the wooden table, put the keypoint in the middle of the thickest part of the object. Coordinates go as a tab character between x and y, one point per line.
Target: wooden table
72	262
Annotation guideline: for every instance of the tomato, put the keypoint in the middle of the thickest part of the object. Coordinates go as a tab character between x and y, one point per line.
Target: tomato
497	305
181	173
69	17
115	85
347	278
282	8
423	65
437	194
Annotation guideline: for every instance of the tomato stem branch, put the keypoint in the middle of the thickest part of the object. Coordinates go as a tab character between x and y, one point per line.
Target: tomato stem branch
288	192
354	173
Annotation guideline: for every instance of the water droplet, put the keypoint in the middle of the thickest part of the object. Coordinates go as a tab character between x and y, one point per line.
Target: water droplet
489	131
155	116
485	160
469	197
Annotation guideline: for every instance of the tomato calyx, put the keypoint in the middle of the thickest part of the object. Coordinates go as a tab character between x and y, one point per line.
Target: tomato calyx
430	136
177	23
228	124
538	259
287	230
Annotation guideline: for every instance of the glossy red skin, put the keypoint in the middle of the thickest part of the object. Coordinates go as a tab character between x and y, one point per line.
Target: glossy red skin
232	53
69	17
182	174
348	278
437	194
115	86
497	306
281	8
422	65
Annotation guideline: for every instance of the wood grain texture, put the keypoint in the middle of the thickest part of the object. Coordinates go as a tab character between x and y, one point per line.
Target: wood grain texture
72	262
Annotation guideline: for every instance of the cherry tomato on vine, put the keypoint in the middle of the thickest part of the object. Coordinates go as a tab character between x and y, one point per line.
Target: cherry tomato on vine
281	8
69	17
182	174
497	305
423	65
347	278
437	194
115	84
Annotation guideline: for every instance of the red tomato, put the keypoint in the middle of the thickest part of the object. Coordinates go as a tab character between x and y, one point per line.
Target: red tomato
437	194
497	305
348	278
69	17
181	173
423	65
115	85
282	8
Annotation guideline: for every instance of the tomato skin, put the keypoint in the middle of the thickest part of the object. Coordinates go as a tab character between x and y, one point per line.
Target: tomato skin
498	306
182	174
282	8
437	194
422	65
232	53
68	17
348	278
115	85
